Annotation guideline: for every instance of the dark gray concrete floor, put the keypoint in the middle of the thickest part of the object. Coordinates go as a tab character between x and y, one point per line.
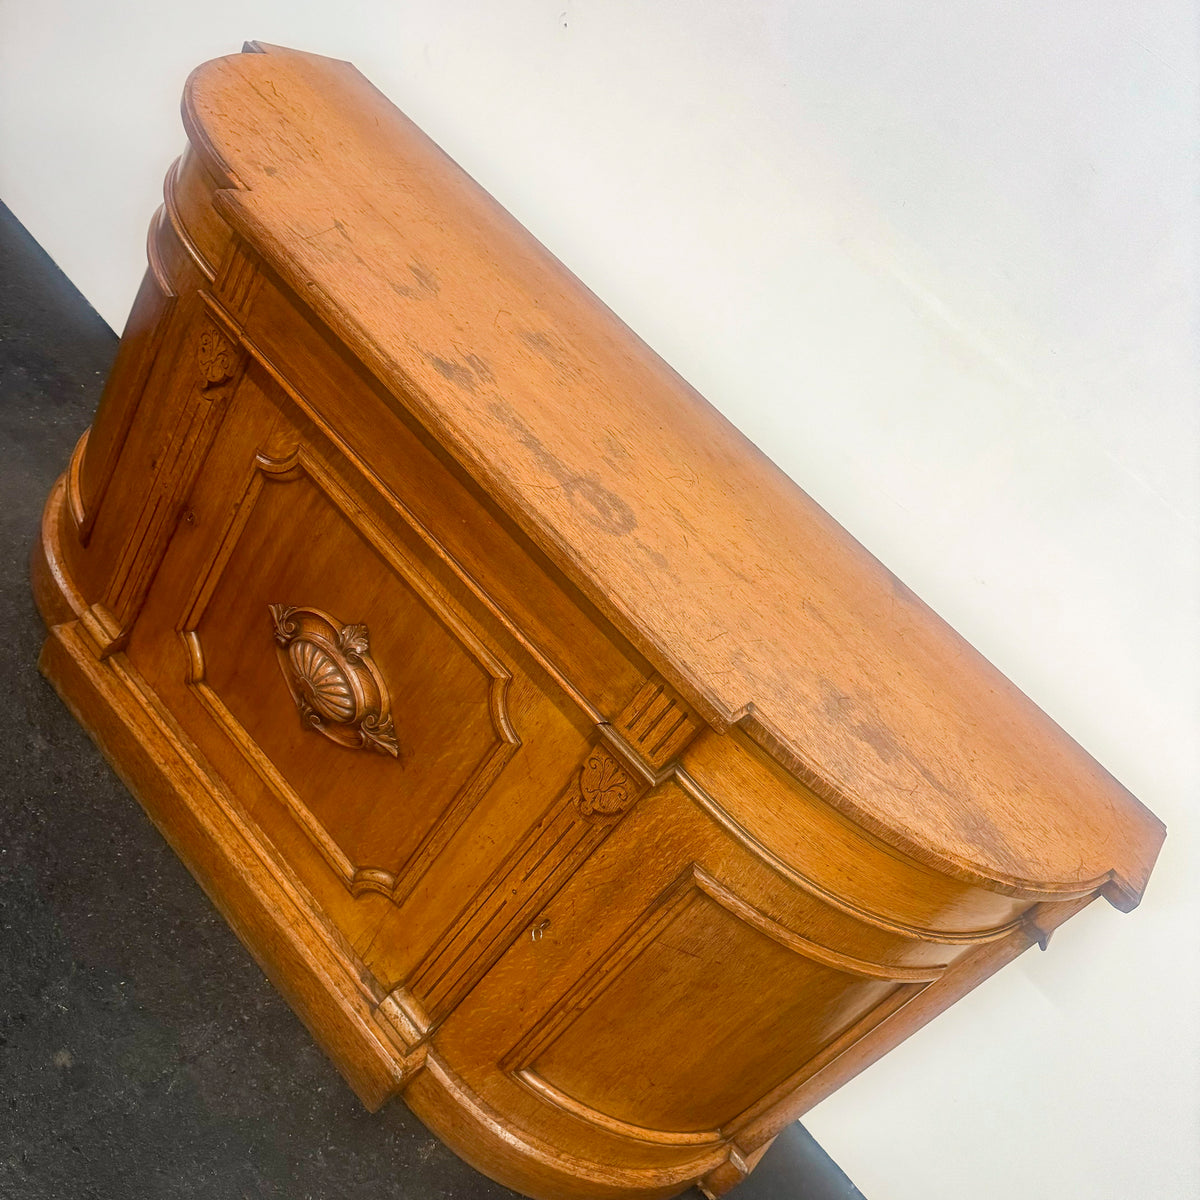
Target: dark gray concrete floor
143	1055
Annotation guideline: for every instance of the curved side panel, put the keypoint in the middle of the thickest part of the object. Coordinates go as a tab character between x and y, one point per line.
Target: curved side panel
805	841
150	359
488	1141
703	1005
139	347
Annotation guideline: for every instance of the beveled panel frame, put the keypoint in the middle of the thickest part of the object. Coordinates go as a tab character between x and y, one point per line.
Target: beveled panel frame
302	462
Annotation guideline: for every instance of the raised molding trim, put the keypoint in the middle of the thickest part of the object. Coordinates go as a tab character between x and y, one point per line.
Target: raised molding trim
179	228
659	1137
394	884
715	812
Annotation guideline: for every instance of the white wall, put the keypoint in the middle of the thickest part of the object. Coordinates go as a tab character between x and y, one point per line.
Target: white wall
939	260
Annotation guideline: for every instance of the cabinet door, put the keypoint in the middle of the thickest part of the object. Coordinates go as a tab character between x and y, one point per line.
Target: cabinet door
667	992
381	732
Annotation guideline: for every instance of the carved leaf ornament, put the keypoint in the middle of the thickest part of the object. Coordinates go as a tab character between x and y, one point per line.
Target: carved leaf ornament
604	787
215	357
336	685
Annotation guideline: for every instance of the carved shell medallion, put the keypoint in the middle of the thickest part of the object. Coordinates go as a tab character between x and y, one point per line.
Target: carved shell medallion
321	681
334	682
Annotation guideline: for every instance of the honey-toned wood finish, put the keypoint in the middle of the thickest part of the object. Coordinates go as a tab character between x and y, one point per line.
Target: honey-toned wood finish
568	769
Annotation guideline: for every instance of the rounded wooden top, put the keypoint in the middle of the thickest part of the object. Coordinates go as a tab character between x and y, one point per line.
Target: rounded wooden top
737	586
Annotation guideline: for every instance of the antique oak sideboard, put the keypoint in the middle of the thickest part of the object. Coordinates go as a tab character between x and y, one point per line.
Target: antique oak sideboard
571	772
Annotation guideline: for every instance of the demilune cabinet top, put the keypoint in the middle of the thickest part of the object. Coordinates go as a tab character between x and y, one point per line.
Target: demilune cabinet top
732	810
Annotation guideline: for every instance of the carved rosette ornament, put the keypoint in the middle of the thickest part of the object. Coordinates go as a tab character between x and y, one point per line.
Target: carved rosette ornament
605	788
337	688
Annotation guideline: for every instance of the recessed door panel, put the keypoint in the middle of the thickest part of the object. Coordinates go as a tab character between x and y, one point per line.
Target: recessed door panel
353	686
679	1028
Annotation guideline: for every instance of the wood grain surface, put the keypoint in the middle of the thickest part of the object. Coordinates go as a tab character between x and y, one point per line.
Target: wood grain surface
572	774
735	584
